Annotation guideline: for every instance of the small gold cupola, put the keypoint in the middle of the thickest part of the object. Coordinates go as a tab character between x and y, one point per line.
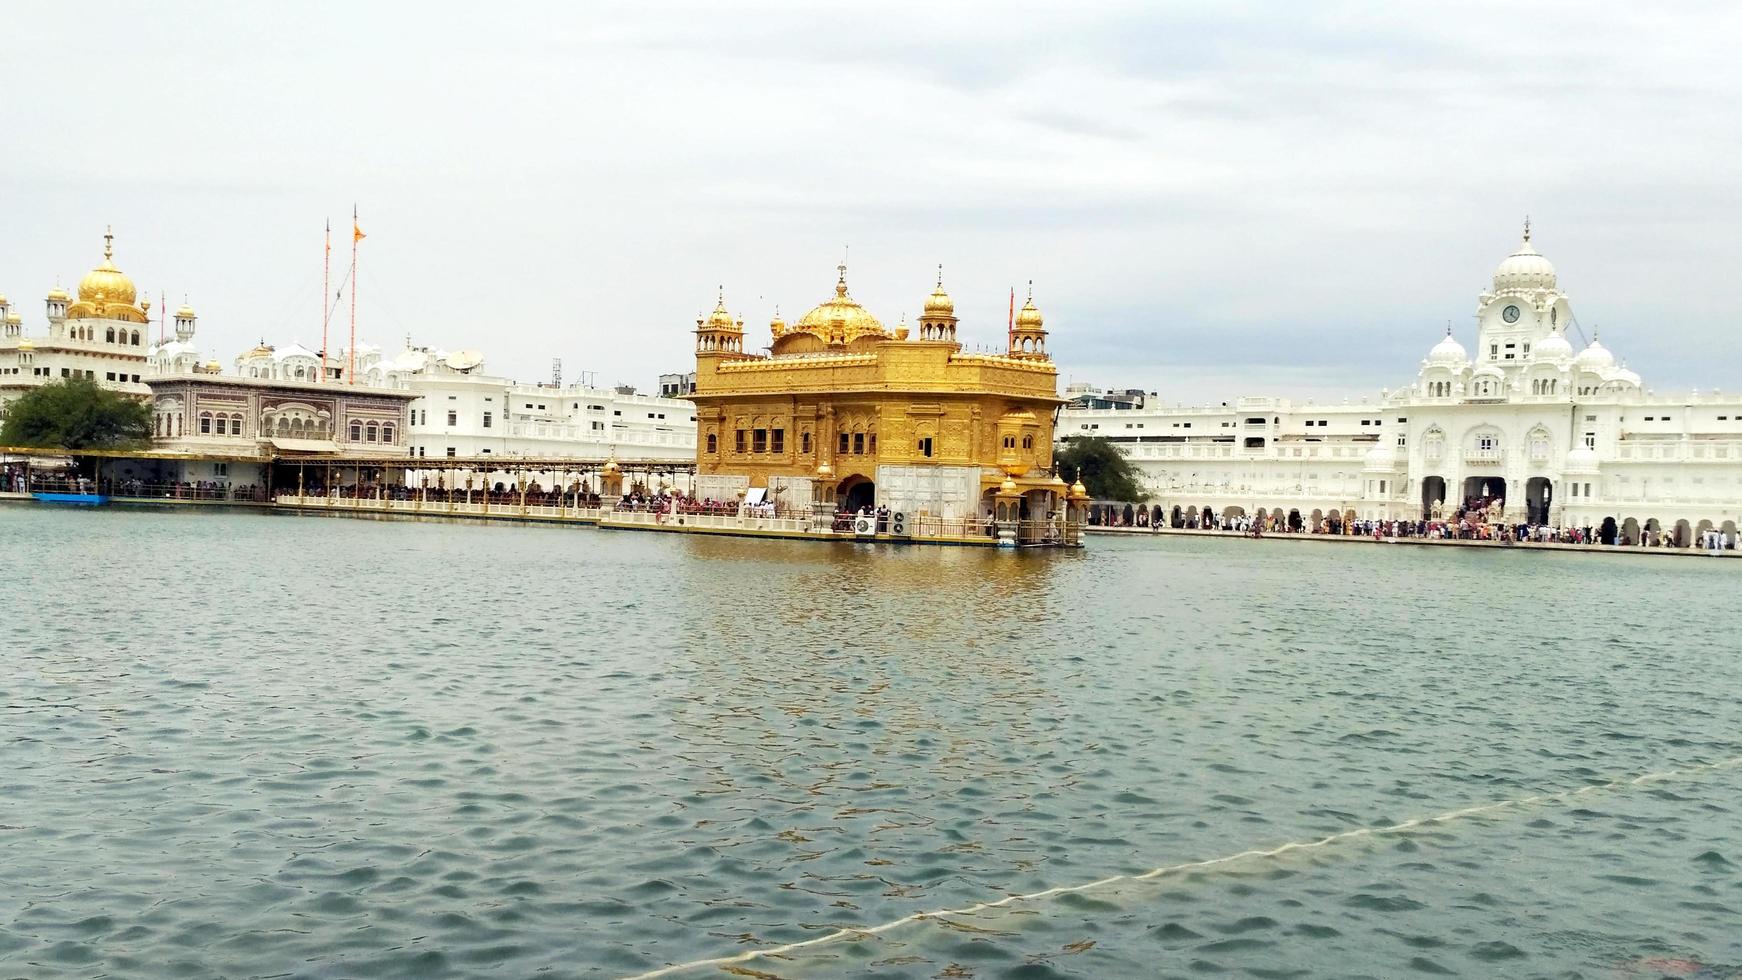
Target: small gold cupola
719	333
1028	333
938	320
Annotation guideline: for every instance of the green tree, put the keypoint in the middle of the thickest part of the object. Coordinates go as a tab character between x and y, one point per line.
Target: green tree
75	413
1104	470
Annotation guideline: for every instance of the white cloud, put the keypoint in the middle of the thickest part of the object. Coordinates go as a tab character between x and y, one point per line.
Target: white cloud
1205	195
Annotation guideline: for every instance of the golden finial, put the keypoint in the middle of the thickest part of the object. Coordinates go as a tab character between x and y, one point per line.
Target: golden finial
1031	290
841	283
940	275
108	242
1527	227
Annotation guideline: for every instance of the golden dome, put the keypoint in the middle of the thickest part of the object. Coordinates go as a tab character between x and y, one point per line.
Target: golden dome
213	367
27	344
58	294
1028	318
3	300
939	302
105	292
1078	490
841	320
185	313
263	350
777	326
721	319
14	318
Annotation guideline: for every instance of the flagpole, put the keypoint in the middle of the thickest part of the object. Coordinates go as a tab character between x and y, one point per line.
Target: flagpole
162	320
351	355
326	287
1010	328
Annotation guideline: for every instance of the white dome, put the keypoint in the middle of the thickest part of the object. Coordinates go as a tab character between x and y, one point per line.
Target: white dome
1595	358
1488	371
1448	352
1623	376
1581	460
294	350
1554	347
1524	269
1381	457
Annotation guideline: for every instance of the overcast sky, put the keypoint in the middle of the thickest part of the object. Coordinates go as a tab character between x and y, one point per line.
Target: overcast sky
1211	199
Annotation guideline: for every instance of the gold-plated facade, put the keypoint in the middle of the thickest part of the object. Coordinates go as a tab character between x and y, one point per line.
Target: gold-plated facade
840	396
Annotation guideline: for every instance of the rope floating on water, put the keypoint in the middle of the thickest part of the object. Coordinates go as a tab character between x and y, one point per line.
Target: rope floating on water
865	932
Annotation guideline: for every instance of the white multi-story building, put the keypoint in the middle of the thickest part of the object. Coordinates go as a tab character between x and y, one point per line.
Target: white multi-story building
461	411
103	335
1526	427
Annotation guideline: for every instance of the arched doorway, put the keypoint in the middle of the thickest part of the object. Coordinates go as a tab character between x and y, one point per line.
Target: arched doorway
856	492
1433	491
1179	517
1294	520
1608	531
1538	498
1684	534
1480	491
1157	516
1630	531
1653	533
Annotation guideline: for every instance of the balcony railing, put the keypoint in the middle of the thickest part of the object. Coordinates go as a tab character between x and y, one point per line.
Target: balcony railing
1488	456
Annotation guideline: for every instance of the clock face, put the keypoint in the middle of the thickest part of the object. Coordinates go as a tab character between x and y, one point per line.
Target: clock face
1510	314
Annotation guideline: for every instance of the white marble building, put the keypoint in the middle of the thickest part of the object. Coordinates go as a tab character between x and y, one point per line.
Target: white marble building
462	411
1563	438
103	334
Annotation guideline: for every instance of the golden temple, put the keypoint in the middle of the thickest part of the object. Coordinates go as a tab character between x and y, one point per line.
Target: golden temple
844	411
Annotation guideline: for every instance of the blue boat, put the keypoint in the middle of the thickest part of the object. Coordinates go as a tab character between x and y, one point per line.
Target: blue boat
77	499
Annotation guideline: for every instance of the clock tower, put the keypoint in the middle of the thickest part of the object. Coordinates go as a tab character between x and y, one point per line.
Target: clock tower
1524	308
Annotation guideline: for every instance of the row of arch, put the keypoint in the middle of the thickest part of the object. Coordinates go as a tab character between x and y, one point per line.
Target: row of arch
1630	532
368	431
1653	534
84	331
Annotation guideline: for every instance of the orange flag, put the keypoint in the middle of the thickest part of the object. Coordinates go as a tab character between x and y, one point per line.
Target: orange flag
356	232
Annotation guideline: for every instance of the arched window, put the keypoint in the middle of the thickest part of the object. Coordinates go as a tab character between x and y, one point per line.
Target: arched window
135	340
372	433
205	423
713	443
284	427
356	432
236	424
1028	442
387	433
111	336
804	442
